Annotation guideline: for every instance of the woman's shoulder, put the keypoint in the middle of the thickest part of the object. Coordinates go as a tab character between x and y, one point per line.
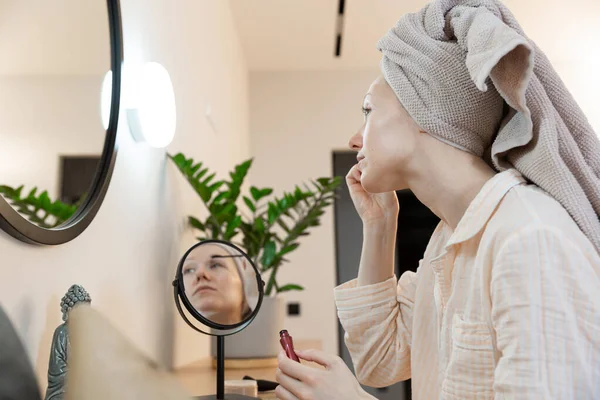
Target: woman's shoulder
529	209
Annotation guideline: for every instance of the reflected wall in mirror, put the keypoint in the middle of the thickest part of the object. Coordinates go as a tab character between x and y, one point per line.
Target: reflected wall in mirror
56	56
220	283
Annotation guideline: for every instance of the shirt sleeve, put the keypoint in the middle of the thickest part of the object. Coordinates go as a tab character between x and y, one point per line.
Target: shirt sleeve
546	315
377	320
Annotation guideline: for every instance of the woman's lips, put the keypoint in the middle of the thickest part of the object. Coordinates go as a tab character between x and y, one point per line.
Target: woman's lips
203	289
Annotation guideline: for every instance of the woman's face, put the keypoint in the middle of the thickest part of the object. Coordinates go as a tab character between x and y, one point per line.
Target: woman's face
387	141
213	285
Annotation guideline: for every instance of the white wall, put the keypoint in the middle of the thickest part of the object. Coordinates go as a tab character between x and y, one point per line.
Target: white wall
297	120
43	118
126	259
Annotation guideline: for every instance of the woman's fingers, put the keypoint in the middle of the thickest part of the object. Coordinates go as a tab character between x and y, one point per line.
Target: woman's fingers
291	385
282	393
293	369
320	357
353	176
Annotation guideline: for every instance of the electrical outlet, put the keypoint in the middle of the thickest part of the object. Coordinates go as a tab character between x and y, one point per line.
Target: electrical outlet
293	309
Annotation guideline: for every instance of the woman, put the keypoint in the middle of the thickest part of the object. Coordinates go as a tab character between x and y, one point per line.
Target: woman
472	118
220	283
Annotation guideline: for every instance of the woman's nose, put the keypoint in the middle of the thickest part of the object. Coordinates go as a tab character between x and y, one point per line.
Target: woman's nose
202	273
356	141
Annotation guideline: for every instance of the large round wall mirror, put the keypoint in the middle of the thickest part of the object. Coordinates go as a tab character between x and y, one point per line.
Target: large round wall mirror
60	84
221	289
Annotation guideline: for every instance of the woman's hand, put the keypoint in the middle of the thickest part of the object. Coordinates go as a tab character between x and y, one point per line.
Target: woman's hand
301	382
373	208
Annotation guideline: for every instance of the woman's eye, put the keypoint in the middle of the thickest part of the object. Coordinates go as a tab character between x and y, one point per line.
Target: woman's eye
215	265
366	111
187	271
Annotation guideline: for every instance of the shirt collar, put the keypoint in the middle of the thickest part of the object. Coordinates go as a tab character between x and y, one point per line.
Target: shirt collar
483	206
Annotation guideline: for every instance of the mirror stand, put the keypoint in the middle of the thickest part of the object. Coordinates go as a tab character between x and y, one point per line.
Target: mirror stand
221	377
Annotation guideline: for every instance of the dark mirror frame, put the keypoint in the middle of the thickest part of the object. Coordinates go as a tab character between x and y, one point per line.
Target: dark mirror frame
179	294
19	227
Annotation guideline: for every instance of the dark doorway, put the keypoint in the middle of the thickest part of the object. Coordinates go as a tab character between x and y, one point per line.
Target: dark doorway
415	226
76	177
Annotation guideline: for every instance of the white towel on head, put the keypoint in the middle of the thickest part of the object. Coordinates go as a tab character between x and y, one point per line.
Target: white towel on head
468	75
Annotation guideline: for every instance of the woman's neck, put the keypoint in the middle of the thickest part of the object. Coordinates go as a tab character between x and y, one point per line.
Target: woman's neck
224	318
448	188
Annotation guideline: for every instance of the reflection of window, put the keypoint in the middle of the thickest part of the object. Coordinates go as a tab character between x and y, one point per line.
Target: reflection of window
76	177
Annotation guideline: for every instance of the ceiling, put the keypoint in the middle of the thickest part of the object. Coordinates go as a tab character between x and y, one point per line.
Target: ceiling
300	35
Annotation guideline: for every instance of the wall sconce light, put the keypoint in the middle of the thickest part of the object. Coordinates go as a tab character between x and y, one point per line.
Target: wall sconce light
151	111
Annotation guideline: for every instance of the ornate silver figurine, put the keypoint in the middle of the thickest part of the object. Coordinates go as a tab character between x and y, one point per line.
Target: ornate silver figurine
58	365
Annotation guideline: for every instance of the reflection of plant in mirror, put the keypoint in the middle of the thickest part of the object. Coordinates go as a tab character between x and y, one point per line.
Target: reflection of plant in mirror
272	229
39	209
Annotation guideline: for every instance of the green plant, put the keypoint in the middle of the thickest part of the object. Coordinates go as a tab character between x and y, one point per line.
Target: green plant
39	209
269	229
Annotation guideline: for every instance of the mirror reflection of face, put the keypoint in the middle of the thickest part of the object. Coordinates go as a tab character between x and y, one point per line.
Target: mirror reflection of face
214	284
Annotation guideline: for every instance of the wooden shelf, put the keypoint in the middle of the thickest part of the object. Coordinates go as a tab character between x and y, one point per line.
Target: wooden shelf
200	378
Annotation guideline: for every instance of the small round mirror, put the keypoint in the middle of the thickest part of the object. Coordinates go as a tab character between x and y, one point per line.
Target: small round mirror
219	286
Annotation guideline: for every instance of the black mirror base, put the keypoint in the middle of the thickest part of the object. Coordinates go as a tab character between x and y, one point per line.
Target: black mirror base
227	397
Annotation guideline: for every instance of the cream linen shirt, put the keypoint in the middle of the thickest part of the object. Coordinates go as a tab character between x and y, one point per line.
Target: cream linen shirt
505	306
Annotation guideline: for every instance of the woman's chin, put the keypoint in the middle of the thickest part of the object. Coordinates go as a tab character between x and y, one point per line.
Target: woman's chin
376	185
369	184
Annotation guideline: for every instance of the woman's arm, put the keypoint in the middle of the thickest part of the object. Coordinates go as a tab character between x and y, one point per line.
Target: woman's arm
376	312
377	256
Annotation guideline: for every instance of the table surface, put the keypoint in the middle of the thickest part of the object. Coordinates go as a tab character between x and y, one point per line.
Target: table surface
200	378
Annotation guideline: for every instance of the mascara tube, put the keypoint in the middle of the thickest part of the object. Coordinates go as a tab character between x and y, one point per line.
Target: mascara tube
288	345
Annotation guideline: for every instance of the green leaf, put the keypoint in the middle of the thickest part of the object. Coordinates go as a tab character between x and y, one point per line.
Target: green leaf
269	253
33	192
255	193
178	159
196	223
265	192
33	206
228	211
220	196
272	213
195	168
259	225
288	249
209	178
283	203
230	232
258	194
56	208
241	170
200	174
323	181
249	204
204	193
45	201
290	287
215	186
235	223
